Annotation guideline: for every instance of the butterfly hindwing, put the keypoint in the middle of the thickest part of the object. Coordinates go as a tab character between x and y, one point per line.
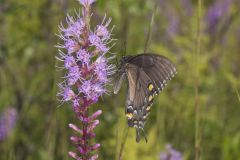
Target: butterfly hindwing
140	97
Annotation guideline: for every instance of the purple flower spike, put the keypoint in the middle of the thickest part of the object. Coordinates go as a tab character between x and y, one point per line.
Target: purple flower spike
170	154
7	122
83	54
216	13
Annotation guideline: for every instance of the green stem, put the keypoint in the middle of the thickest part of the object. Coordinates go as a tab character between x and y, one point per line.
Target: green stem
197	105
124	139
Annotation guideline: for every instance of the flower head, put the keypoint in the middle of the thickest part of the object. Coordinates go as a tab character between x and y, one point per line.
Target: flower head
102	31
75	27
69	62
85	58
101	69
71	45
98	43
68	94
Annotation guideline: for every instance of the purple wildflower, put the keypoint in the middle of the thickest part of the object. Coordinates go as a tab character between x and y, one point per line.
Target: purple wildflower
94	39
97	42
170	154
215	13
74	29
73	75
173	24
69	62
102	31
71	45
7	122
87	74
101	36
98	90
86	88
100	69
83	56
68	94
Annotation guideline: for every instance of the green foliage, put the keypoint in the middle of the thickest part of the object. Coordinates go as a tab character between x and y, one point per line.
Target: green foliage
28	80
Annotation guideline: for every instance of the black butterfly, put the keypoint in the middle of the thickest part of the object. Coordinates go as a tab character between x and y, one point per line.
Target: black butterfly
147	75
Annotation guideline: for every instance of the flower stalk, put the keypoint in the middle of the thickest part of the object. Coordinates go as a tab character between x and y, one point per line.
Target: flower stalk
84	55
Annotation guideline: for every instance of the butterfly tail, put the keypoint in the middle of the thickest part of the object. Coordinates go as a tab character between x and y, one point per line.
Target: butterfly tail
138	138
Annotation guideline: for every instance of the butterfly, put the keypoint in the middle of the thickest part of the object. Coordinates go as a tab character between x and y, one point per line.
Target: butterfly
147	74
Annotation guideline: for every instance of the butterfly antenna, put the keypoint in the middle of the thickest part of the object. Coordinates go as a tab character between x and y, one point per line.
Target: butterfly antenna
149	33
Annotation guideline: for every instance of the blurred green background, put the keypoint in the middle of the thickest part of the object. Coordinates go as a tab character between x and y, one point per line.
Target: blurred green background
28	78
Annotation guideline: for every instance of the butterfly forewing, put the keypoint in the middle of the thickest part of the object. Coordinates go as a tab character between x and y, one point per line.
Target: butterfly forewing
158	68
118	82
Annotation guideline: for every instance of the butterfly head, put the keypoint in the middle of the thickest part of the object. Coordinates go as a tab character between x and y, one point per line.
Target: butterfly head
125	59
122	64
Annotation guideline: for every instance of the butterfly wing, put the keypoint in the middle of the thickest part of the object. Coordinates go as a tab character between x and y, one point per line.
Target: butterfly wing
118	82
157	67
139	99
147	75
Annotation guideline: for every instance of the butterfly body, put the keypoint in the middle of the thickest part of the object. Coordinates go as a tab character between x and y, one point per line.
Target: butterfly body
147	75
